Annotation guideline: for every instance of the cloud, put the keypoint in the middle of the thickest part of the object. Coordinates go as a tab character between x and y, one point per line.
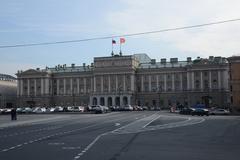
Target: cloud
148	15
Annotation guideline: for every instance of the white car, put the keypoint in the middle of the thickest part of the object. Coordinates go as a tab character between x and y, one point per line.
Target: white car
100	109
50	110
27	110
219	112
39	110
58	109
128	108
78	109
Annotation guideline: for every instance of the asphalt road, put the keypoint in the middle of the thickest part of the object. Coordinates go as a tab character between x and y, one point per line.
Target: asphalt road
141	135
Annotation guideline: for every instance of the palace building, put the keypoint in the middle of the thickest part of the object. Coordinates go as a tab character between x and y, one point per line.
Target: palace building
234	66
130	79
8	91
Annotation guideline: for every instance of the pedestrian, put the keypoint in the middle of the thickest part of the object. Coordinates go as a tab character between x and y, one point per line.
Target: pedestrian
13	114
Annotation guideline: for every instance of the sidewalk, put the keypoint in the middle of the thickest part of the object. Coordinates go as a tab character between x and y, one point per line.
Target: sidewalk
5	120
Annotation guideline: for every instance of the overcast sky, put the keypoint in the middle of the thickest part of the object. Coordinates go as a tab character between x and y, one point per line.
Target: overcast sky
29	21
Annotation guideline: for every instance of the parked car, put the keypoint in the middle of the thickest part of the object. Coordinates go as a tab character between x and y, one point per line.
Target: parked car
219	111
39	110
144	108
1	110
137	108
27	110
50	110
58	109
6	111
78	109
128	108
114	108
200	112
100	109
19	110
186	111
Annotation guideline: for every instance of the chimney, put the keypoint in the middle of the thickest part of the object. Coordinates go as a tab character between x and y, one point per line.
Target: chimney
153	61
173	60
189	59
163	60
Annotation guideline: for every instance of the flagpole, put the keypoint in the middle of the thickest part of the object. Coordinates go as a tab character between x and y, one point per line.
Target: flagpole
120	53
112	48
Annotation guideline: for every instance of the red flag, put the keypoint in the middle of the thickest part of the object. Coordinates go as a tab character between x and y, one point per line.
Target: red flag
122	40
113	41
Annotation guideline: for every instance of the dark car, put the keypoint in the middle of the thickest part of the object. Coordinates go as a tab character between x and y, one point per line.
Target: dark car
200	112
186	111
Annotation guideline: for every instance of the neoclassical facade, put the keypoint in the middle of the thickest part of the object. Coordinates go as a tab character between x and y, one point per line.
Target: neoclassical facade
131	79
234	65
8	91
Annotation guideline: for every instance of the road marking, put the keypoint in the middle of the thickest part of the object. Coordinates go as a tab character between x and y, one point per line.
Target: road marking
56	143
117	124
89	146
70	148
144	128
151	121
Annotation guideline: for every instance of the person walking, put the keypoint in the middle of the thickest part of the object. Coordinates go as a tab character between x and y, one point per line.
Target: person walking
13	114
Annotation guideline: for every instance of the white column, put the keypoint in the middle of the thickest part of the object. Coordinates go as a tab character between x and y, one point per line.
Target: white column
113	100
35	87
105	101
21	87
210	80
129	100
188	81
64	86
101	84
173	82
109	83
219	80
47	86
132	82
149	83
98	100
42	87
28	87
85	85
90	100
78	90
124	83
94	84
121	100
181	81
193	81
157	82
71	86
165	82
18	87
58	92
117	84
201	80
142	86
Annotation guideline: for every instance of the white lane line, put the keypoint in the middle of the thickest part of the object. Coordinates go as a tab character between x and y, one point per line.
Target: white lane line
32	131
151	121
49	136
89	146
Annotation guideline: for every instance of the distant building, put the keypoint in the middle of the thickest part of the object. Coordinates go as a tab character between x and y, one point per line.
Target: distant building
133	79
8	91
234	66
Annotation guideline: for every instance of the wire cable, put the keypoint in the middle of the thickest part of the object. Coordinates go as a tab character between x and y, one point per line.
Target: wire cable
118	36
